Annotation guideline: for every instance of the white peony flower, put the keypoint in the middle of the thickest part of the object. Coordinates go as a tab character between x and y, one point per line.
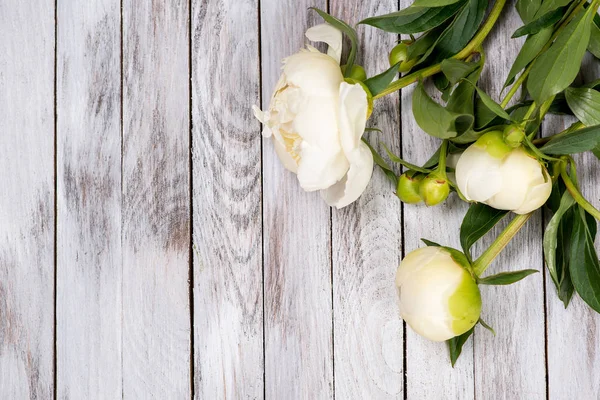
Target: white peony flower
506	178
438	298
316	120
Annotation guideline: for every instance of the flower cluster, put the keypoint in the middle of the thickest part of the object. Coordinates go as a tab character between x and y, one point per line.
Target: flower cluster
489	154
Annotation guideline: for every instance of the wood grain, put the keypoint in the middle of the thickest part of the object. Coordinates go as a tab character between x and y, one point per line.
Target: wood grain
26	199
89	271
429	374
156	200
366	248
511	364
574	332
228	301
297	240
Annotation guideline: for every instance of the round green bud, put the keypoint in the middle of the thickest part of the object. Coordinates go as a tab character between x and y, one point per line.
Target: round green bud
513	135
356	72
408	187
399	54
434	189
493	142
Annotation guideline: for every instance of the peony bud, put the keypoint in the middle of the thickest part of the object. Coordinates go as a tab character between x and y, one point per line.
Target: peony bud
506	178
408	187
357	72
439	299
399	54
513	135
434	189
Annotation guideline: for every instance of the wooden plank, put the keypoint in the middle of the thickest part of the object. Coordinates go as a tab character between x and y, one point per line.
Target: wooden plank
518	349
228	304
27	200
429	374
156	200
297	240
368	333
574	333
89	200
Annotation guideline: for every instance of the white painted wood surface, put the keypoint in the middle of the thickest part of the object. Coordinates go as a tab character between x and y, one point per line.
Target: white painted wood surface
368	335
285	298
27	200
88	277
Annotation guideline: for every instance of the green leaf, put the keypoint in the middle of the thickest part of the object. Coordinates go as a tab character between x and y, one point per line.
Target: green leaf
594	44
422	47
506	278
531	48
455	345
455	70
555	69
348	31
461	30
596	151
478	221
544	21
574	142
406	164
527	9
413	19
433	3
430	243
435	119
584	267
387	170
551	5
486	326
490	103
377	84
556	262
585	104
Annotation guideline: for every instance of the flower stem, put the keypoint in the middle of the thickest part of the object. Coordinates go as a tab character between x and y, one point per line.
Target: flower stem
472	46
577	196
500	243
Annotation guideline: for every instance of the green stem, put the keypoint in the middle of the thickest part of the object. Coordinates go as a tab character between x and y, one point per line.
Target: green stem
443	154
577	196
513	89
500	243
464	53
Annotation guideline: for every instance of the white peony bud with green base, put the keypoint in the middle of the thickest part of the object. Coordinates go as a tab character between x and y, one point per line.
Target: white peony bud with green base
504	177
439	299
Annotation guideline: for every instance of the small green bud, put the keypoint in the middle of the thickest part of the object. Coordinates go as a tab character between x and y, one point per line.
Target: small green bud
408	187
357	72
399	54
493	142
513	135
434	189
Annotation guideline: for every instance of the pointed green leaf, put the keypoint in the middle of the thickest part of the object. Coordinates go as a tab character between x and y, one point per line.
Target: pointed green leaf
430	243
585	104
455	345
433	3
555	69
576	141
594	44
490	103
544	21
532	46
506	278
486	326
406	164
455	70
478	221
584	267
377	84
387	170
527	9
413	19
435	119
551	5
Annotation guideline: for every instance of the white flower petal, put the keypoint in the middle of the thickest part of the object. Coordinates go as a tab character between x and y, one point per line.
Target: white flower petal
356	180
286	159
320	168
352	115
330	35
315	73
536	197
477	174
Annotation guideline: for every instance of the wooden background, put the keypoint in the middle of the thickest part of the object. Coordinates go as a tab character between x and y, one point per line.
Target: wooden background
151	245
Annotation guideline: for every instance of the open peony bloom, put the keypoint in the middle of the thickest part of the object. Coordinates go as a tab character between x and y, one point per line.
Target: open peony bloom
506	178
438	298
316	120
